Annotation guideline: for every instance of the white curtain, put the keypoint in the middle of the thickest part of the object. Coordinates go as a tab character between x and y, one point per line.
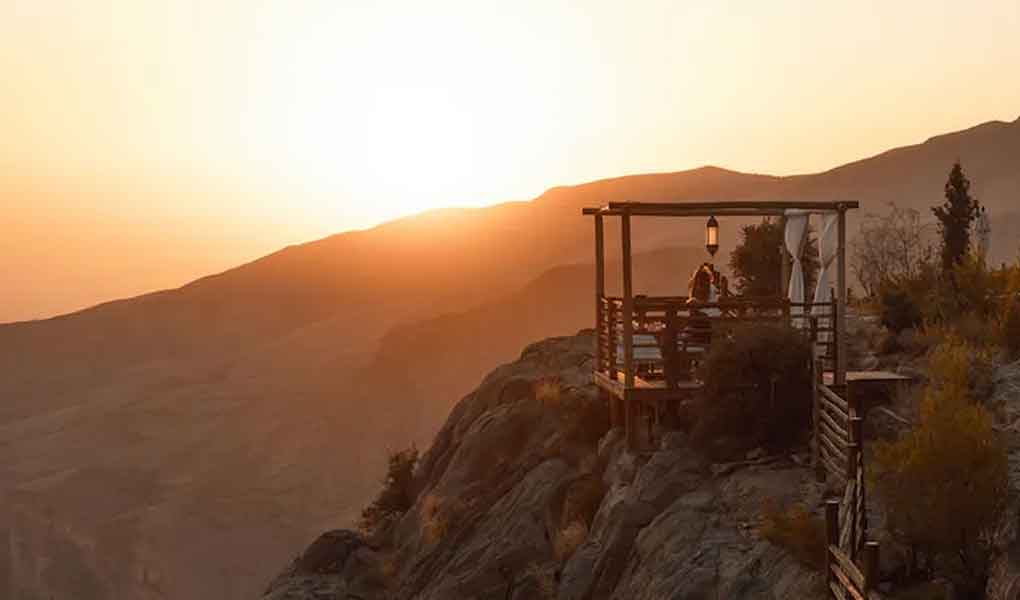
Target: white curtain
796	229
713	298
828	246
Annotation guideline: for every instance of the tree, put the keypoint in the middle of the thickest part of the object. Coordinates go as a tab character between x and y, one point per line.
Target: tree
956	217
756	262
891	249
397	494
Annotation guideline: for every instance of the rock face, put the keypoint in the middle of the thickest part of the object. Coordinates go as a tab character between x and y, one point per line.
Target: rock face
337	565
525	493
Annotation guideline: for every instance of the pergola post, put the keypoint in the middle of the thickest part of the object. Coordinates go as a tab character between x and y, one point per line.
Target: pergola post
839	377
600	287
603	339
784	260
628	329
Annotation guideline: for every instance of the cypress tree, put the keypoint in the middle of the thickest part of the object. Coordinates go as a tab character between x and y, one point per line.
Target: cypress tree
956	217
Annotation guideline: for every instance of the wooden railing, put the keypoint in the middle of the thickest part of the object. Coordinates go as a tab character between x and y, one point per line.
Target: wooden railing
669	334
835	449
844	579
839	453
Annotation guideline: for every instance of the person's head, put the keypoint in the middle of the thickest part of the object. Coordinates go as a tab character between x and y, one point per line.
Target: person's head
700	286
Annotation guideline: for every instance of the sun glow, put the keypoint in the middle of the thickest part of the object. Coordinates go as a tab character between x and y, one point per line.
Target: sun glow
419	149
410	109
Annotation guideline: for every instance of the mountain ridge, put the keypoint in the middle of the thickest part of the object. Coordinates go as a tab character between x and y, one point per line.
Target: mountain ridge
714	172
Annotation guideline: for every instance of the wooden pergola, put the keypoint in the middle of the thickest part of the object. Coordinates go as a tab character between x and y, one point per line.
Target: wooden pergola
645	345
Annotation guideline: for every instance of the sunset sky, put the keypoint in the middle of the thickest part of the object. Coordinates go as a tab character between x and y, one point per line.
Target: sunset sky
148	143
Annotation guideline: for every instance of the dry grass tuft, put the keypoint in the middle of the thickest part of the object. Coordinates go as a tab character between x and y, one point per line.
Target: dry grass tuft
796	530
437	516
549	393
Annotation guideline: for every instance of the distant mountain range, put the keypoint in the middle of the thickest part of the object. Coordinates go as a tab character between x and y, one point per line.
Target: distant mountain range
237	416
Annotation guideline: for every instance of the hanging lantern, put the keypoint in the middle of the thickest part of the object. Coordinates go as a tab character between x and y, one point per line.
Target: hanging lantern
712	236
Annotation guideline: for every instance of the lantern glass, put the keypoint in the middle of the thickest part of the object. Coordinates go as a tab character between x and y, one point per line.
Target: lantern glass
712	236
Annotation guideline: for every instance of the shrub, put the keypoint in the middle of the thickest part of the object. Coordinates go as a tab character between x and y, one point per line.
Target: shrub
972	289
899	308
397	495
796	530
549	393
944	483
757	390
955	361
438	515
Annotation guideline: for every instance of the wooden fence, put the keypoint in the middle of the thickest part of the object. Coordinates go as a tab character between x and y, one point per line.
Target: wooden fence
839	453
844	579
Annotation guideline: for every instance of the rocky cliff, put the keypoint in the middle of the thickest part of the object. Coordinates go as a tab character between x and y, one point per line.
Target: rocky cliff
525	493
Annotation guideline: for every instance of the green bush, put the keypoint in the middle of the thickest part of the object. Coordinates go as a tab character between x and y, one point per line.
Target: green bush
757	390
397	495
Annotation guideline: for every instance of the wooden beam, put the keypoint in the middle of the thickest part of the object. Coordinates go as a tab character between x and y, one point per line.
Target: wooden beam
600	288
718	209
807	205
784	261
628	329
682	212
628	303
841	356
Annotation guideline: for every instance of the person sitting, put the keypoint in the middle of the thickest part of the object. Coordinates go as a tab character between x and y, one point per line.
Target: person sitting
680	348
697	332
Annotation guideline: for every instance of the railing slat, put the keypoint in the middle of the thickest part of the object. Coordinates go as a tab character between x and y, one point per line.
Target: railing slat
837	591
832	468
834	398
848	569
832	449
843	436
844	585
